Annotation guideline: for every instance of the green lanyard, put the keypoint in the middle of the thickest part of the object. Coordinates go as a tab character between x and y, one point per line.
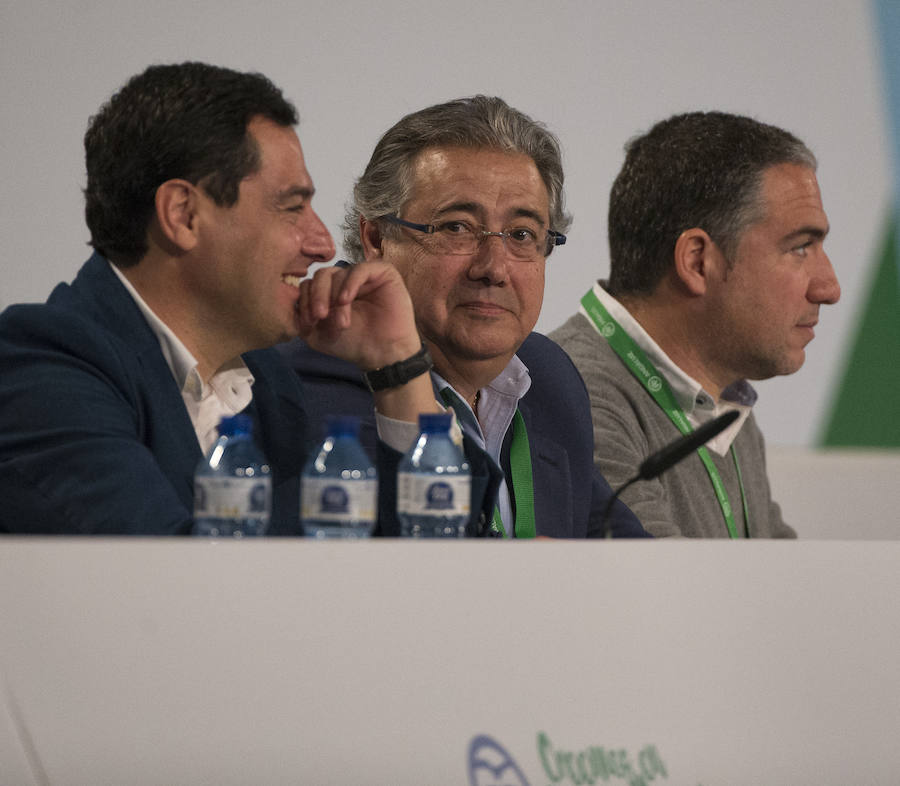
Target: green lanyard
655	384
522	485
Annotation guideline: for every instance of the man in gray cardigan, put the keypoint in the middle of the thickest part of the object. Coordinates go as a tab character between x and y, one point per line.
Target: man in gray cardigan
717	272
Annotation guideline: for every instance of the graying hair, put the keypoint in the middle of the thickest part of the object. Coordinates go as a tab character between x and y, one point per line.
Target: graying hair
699	169
479	122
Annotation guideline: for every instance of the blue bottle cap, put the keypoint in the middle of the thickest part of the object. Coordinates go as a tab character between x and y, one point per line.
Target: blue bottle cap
235	424
342	425
430	423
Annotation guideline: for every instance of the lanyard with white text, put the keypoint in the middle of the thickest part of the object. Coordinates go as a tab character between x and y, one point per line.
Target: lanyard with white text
655	384
522	485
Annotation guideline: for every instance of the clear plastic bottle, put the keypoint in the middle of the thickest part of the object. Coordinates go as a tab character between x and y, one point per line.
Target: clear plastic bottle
433	484
339	485
233	484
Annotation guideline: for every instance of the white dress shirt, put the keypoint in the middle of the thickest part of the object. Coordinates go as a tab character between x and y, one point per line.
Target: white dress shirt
228	392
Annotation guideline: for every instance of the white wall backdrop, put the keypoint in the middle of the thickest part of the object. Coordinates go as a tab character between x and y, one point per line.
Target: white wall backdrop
595	72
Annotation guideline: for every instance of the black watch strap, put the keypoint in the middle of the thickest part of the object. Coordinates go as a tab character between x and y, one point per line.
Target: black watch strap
399	373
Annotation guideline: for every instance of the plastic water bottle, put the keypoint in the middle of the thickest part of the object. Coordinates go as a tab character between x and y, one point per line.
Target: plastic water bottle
233	484
339	485
433	484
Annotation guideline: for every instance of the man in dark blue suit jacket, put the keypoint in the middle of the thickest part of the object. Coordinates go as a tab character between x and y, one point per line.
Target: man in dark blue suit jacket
465	200
198	203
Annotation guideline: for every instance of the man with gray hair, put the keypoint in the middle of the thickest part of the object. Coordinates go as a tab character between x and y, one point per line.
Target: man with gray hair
717	272
465	200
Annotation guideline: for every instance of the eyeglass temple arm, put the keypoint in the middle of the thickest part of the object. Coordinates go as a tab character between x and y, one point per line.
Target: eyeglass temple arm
428	229
559	239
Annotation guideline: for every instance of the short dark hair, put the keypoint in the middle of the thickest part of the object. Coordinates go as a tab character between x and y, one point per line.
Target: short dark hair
477	122
700	169
186	120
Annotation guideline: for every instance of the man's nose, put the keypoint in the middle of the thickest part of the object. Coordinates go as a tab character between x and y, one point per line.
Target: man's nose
824	286
491	262
317	242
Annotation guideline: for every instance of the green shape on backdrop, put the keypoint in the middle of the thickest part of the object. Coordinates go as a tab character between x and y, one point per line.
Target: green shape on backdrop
866	410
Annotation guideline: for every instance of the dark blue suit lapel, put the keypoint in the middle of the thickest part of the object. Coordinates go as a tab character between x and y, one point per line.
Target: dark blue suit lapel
164	425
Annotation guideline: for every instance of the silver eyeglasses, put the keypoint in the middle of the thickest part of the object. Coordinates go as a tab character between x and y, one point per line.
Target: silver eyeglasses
461	238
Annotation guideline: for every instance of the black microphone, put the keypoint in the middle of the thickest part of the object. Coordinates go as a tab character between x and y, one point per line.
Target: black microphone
671	454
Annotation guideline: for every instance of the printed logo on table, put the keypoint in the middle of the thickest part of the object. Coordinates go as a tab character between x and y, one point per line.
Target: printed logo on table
491	765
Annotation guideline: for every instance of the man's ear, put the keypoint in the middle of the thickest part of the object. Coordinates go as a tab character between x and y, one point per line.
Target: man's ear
697	257
370	234
176	213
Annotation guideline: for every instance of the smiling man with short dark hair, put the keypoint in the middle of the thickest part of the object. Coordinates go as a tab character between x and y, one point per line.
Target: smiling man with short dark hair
199	204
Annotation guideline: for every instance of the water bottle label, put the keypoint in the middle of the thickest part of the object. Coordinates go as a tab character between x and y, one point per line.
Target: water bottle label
433	495
232	498
325	499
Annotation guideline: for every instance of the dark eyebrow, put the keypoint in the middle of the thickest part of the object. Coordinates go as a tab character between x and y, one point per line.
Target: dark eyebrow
304	192
524	212
472	207
462	207
816	232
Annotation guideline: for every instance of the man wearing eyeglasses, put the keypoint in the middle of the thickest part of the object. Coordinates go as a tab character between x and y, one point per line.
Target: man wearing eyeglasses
465	200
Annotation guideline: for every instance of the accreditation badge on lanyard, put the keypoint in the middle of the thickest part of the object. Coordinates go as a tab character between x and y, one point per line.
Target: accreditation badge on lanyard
655	384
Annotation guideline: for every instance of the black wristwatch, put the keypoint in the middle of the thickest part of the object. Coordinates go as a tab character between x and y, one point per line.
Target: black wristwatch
399	373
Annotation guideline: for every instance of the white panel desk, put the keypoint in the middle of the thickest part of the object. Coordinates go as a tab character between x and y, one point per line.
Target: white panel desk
837	493
286	662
